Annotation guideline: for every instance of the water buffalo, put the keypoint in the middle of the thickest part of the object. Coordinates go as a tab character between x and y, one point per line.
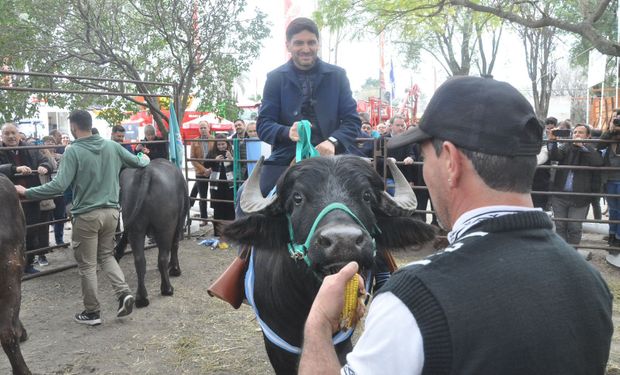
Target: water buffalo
12	261
286	282
154	201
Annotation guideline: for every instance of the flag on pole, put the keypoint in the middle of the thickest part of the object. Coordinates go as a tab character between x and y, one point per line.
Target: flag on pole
381	63
596	67
175	143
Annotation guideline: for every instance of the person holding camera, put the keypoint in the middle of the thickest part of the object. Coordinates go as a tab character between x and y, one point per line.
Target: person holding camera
221	182
611	158
568	206
542	176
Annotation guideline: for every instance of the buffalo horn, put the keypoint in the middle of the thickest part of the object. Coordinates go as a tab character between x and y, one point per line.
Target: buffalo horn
252	199
404	197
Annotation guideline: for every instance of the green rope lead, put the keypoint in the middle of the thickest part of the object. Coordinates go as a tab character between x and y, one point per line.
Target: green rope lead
304	145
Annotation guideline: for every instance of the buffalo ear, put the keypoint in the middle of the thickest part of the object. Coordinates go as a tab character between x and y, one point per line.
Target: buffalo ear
401	232
260	230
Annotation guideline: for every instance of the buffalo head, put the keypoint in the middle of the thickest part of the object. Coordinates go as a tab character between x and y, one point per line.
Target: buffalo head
364	218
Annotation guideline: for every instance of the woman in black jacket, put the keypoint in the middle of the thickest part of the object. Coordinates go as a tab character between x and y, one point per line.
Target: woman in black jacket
221	182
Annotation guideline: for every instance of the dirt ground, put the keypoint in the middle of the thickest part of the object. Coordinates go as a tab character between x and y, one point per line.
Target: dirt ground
189	333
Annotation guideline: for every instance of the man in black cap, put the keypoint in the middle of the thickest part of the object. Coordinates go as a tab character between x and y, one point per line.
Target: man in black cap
507	296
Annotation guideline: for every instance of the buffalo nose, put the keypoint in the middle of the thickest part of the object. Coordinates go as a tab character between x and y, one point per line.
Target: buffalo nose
341	238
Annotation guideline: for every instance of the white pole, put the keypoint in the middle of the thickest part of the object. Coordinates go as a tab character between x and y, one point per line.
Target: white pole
600	105
587	105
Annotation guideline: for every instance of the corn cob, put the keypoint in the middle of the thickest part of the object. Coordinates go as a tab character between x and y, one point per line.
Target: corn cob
348	316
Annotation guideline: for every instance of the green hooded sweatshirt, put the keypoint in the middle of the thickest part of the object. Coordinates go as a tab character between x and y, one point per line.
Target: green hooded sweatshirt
91	166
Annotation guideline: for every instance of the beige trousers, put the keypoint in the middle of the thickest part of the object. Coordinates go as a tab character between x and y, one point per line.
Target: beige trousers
93	243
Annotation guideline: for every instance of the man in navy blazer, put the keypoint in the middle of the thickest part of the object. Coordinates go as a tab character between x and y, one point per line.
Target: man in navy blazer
305	88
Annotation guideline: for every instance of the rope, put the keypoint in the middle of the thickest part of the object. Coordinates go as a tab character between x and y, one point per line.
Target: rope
305	149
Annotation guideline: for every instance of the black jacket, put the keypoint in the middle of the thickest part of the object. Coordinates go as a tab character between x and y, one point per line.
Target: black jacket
584	181
32	158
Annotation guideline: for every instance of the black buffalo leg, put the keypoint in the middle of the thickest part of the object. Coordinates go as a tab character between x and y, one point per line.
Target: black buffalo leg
164	243
11	331
174	269
136	240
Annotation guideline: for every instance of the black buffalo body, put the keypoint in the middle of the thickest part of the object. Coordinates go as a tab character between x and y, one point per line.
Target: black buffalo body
284	287
12	262
154	200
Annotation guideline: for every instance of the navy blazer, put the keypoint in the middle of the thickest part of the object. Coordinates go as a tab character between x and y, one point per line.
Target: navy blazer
335	108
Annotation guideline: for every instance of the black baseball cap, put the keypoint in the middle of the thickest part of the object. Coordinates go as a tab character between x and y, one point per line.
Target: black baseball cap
478	114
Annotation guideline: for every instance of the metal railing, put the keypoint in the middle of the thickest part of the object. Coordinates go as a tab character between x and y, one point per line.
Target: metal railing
378	152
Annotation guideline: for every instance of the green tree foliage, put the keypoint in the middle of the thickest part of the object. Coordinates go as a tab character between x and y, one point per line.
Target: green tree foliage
200	46
589	19
454	36
370	88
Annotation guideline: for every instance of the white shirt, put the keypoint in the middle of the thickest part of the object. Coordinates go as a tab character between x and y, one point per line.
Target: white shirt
392	342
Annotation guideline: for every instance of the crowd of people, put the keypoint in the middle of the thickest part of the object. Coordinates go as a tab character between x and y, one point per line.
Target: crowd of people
212	157
32	167
454	311
561	184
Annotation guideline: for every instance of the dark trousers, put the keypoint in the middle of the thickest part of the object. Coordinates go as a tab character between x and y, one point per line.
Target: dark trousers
59	213
565	207
36	237
596	208
203	189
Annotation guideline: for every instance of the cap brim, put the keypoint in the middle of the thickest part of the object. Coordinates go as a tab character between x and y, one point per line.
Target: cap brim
412	135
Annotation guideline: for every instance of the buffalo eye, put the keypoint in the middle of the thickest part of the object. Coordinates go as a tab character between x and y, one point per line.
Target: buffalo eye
297	199
367	197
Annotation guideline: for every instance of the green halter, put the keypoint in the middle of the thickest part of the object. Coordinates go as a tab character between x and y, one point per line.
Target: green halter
304	148
300	251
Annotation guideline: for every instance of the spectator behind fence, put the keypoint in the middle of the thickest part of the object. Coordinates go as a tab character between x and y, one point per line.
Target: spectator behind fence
508	296
221	181
241	134
154	150
23	167
573	180
118	136
542	177
611	158
251	130
200	150
404	154
92	166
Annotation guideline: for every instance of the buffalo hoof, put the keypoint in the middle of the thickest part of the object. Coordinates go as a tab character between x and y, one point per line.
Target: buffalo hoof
167	292
174	271
24	335
142	302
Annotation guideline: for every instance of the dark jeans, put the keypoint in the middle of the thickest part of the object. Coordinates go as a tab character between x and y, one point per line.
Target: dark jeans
59	213
36	237
203	189
613	187
563	207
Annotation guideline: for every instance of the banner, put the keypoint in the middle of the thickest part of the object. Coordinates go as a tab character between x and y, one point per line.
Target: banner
596	67
175	143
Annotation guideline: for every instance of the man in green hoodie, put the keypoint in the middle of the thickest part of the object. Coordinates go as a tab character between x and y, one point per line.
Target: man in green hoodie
92	166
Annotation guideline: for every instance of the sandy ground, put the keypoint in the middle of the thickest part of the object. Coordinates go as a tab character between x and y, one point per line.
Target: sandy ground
189	333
